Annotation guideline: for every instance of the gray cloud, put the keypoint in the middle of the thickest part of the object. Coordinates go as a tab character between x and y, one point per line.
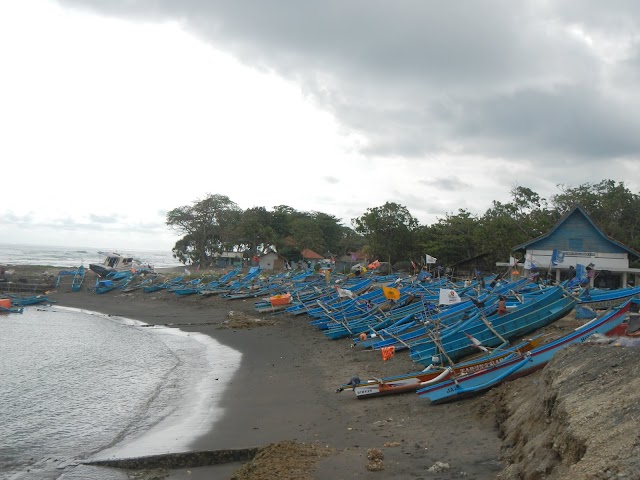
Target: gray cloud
530	81
10	218
450	184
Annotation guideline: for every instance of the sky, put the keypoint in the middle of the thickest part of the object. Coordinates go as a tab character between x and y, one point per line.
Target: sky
114	113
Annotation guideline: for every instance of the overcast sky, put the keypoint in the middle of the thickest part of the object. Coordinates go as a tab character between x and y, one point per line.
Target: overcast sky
114	112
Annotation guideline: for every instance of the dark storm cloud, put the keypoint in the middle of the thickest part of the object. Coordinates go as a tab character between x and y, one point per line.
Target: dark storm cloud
570	120
516	79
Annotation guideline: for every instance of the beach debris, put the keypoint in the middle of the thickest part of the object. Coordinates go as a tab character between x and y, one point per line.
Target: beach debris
285	459
375	465
240	320
375	456
631	342
392	444
439	467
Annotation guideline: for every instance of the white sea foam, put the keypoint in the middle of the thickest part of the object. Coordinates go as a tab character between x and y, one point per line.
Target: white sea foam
78	385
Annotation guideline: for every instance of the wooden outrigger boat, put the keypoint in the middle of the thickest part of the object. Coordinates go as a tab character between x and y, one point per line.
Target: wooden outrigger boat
410	382
167	284
78	278
603	299
18	301
494	330
275	303
7	307
465	385
104	286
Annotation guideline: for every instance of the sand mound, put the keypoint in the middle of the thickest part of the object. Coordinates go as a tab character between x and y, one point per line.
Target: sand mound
283	460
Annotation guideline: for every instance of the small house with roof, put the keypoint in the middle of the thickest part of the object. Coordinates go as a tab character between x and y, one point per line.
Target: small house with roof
310	258
272	261
229	259
578	240
345	262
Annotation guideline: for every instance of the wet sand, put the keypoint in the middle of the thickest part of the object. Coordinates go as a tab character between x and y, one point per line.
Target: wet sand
285	388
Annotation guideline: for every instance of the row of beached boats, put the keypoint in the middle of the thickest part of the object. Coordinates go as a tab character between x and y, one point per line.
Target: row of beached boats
11	303
462	345
440	338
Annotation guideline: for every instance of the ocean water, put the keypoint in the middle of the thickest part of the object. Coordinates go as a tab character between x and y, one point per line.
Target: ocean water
75	256
77	385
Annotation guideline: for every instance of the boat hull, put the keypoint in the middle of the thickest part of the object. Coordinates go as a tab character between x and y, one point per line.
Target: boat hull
523	365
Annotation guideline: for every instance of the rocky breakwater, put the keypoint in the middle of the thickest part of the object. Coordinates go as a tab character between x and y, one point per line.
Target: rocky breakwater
578	418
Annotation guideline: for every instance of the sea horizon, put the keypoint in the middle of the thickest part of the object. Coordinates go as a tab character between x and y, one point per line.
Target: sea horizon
81	384
74	256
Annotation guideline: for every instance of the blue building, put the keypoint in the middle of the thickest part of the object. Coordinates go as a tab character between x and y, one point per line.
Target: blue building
579	241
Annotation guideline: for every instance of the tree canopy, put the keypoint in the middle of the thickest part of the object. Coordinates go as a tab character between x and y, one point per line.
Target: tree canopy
390	232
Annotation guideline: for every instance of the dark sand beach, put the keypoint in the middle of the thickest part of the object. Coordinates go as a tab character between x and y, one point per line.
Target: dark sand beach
285	391
283	397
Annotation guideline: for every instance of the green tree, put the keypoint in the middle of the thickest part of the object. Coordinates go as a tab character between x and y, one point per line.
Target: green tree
451	238
389	231
206	225
253	231
505	225
307	233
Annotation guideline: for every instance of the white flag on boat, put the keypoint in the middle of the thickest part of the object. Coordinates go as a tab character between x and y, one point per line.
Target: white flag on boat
429	259
448	297
343	292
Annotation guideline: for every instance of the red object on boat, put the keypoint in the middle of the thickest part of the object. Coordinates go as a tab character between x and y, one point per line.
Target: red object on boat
619	331
283	299
5	302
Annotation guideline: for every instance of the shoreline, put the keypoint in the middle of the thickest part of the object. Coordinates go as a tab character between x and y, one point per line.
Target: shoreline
283	401
284	390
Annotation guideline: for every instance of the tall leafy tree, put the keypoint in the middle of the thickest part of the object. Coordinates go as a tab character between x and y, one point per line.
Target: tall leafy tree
253	230
350	241
332	231
505	225
451	238
307	233
206	225
389	231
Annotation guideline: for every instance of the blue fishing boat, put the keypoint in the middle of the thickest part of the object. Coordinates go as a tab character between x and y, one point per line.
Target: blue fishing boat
104	286
536	312
11	309
19	301
598	299
157	286
465	385
410	382
78	278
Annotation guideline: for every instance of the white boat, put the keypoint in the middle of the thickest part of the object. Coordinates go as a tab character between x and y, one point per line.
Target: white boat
119	262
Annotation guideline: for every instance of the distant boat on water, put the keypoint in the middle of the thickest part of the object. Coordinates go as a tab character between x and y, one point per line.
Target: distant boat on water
117	262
